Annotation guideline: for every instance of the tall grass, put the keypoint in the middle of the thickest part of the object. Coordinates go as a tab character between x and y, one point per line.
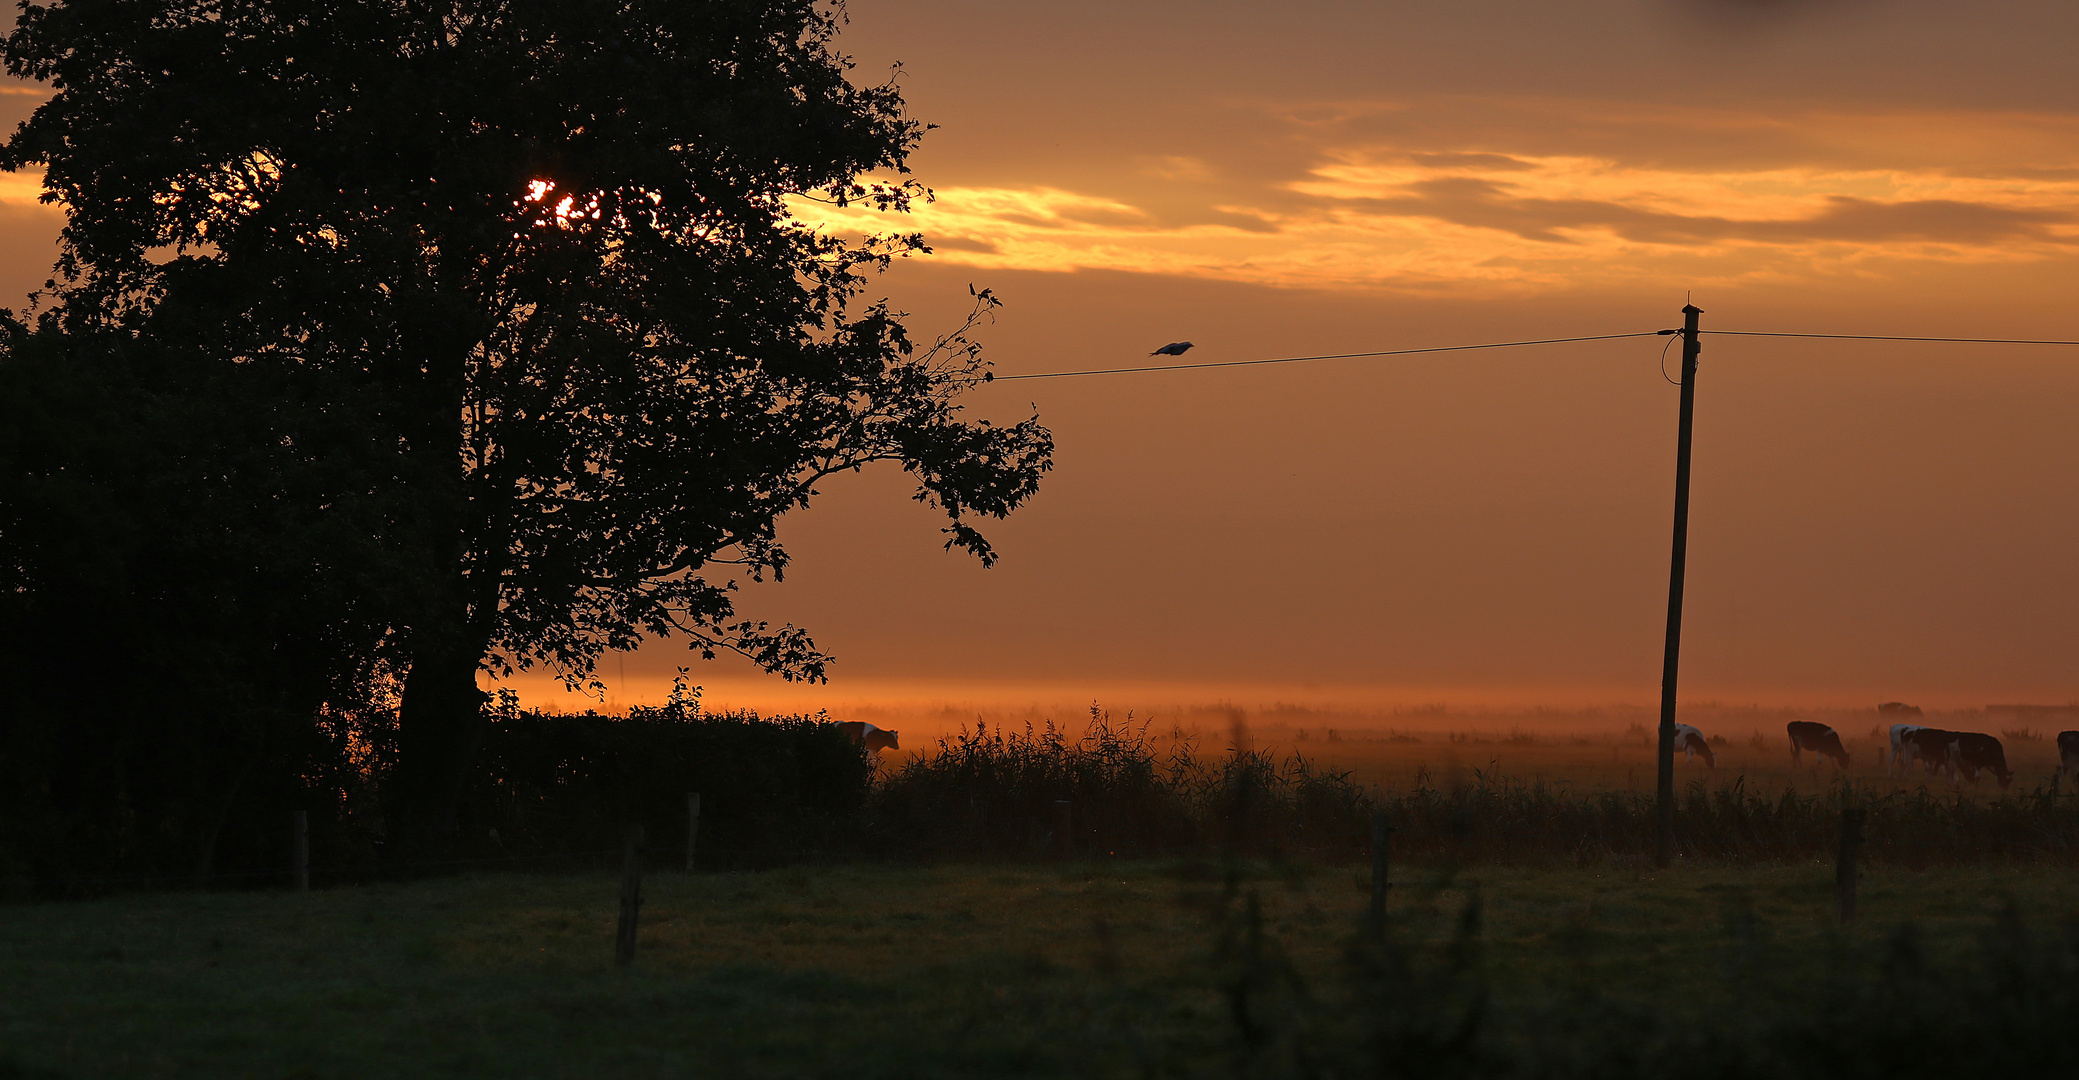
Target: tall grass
1499	818
995	794
998	794
1398	1006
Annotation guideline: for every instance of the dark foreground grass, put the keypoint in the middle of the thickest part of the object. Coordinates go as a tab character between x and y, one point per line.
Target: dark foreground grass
1117	969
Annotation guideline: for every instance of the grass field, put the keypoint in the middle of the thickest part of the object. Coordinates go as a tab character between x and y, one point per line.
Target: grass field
1074	970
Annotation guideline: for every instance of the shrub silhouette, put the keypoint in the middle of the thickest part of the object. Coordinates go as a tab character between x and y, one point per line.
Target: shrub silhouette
996	794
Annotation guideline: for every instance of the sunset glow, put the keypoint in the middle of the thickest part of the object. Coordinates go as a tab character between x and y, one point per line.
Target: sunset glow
1502	213
1871	519
925	538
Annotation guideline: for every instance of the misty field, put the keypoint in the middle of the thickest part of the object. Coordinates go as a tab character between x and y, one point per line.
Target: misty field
1584	749
1624	761
1153	968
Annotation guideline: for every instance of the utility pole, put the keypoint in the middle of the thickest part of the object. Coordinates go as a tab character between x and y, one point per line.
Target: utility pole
1671	665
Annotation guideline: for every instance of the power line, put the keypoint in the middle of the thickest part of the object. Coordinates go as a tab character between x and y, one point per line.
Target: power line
1518	344
1895	337
1328	356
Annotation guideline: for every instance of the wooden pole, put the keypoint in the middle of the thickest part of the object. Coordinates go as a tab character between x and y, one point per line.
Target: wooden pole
1844	867
1678	565
302	857
1382	835
1063	821
631	897
692	826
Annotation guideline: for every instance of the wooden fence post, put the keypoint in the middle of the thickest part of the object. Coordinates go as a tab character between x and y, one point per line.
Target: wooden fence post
631	897
1381	836
1063	821
301	863
692	826
1844	867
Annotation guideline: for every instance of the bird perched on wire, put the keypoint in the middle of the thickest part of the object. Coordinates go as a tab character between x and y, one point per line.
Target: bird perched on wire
1174	348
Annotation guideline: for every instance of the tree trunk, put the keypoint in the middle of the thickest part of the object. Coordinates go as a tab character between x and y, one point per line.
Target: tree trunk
439	726
441	718
206	856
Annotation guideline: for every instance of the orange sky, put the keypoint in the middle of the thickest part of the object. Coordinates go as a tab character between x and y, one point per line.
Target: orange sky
1871	521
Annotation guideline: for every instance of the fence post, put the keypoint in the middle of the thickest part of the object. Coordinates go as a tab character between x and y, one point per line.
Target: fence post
1382	834
631	897
1062	821
1844	868
692	826
301	863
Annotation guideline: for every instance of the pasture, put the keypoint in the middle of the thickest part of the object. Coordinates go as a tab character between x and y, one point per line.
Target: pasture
1149	968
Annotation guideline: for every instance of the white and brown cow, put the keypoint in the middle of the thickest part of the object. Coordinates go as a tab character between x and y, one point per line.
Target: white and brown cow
1692	744
1932	747
1972	752
1818	738
868	736
1903	750
2068	753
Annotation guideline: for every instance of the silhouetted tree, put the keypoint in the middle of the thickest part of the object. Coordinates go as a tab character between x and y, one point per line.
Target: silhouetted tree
528	298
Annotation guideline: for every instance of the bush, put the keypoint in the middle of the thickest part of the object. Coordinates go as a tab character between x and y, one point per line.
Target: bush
772	790
132	791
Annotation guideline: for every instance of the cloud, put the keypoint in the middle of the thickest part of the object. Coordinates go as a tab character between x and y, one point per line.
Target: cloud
1441	207
24	190
1473	161
1940	221
1487	204
961	243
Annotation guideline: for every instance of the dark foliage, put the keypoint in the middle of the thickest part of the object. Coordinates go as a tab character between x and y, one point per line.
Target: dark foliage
772	791
1398	1007
556	791
169	655
472	334
560	790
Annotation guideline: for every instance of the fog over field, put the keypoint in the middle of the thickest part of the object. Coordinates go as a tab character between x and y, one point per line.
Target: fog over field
1389	741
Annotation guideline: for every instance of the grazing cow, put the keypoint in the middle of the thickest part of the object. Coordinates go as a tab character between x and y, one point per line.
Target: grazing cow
1971	751
869	736
1692	743
1897	708
1818	738
2068	753
1902	749
1932	748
